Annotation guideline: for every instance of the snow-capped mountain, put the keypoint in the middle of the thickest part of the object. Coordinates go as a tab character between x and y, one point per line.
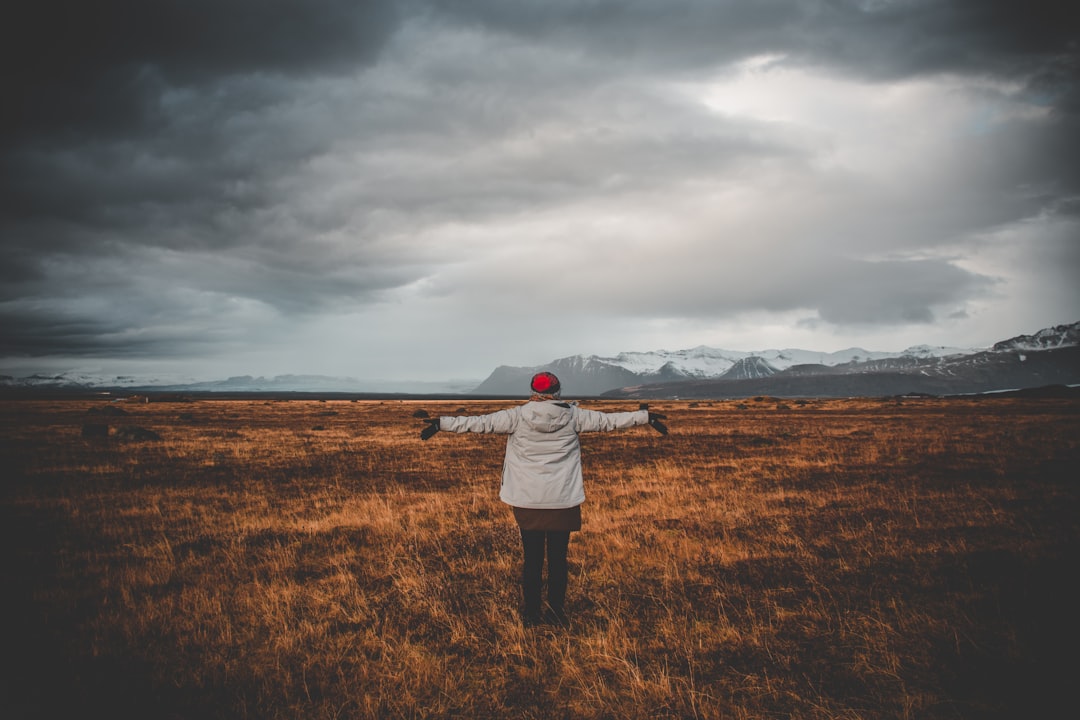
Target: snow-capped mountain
1048	338
595	375
750	367
707	362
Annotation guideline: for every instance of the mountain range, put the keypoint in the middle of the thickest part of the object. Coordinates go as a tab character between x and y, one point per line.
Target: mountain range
1050	356
85	382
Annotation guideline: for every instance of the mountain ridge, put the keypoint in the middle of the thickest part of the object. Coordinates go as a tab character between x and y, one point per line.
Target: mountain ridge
988	372
953	368
288	383
1046	357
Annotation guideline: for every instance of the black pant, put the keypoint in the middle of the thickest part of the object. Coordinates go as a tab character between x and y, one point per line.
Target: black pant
533	542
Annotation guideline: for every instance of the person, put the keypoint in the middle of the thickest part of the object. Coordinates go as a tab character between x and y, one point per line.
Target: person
542	480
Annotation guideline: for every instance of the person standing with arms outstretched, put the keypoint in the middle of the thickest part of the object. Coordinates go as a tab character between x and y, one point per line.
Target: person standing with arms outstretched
542	479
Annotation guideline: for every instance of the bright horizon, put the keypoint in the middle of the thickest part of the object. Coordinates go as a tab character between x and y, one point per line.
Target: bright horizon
426	190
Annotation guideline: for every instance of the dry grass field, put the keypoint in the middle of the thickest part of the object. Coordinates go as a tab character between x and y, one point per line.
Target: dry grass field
315	559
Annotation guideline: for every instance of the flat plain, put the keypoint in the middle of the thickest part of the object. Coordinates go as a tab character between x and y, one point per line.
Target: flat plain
260	558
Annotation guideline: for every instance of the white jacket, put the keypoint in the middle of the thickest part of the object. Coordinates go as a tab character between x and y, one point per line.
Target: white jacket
542	468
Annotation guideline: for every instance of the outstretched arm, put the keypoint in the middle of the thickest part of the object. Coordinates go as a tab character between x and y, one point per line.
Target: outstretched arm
596	421
501	422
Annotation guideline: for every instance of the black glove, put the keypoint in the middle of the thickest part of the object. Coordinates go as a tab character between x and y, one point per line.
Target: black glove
654	422
431	429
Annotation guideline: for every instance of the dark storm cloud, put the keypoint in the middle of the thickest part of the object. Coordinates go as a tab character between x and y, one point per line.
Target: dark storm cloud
72	69
885	39
168	166
97	94
131	137
39	332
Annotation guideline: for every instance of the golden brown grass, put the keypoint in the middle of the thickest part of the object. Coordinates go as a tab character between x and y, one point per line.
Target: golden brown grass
305	559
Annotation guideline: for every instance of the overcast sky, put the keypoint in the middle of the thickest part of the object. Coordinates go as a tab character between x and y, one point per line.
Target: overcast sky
429	189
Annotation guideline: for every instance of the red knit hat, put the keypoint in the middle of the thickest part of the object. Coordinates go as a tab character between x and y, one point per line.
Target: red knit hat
545	383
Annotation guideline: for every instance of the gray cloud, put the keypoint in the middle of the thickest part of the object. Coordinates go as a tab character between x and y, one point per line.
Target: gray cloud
894	292
150	125
727	279
195	175
105	64
33	332
1035	44
884	39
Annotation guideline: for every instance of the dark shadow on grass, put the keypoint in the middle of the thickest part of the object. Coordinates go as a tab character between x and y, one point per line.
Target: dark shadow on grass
47	674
